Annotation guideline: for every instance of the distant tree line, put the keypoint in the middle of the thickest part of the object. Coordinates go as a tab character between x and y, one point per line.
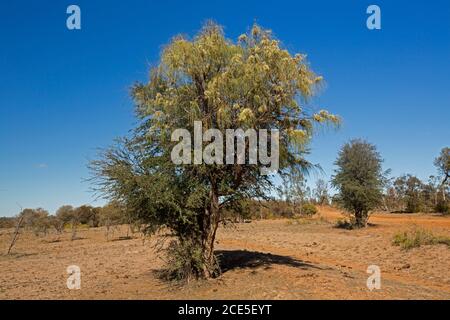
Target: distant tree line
361	184
409	194
67	217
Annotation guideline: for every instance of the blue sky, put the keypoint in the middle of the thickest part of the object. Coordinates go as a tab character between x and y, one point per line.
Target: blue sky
65	93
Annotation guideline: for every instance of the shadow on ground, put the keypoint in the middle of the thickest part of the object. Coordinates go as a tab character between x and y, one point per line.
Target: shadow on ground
239	259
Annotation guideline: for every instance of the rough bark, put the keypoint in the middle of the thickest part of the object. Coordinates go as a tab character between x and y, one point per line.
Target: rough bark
210	224
361	219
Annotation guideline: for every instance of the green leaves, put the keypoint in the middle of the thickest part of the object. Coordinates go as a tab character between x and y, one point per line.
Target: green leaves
359	177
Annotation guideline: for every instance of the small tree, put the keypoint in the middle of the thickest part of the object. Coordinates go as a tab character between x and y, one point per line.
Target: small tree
87	215
410	190
68	215
293	190
434	184
112	215
359	179
321	192
36	220
19	223
442	162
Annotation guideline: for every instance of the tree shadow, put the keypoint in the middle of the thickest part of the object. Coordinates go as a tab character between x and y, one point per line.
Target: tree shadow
241	259
124	238
18	255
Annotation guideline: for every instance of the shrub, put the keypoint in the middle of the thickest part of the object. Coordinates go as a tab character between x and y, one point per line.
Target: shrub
418	237
443	207
414	205
309	209
184	262
344	224
7	222
306	221
36	220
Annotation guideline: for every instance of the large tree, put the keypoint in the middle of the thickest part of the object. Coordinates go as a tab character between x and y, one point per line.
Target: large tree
252	84
359	179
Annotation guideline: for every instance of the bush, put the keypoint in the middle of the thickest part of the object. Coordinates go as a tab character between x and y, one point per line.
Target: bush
309	209
443	207
36	220
344	224
184	262
7	222
418	237
301	221
414	205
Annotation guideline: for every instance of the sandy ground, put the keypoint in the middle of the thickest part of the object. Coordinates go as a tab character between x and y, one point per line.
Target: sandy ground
272	259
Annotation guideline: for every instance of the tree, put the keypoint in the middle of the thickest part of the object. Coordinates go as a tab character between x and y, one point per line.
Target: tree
251	84
442	163
434	184
67	214
87	215
112	215
413	193
293	190
321	192
57	224
36	219
359	179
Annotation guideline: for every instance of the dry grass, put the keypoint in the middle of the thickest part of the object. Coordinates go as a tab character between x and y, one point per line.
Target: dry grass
270	259
418	237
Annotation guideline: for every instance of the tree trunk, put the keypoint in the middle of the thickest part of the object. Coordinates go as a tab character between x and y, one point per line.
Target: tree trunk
74	231
443	186
361	218
210	224
16	234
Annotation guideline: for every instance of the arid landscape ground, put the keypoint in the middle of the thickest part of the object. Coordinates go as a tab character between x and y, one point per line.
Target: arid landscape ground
270	259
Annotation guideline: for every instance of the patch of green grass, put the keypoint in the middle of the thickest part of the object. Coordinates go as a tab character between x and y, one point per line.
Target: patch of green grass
418	237
306	221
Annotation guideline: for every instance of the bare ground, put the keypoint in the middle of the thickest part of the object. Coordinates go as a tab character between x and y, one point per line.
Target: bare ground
271	259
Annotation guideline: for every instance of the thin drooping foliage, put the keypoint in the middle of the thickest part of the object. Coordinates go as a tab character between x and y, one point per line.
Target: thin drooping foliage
252	83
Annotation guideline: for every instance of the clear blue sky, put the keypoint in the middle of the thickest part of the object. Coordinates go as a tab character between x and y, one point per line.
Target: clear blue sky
65	93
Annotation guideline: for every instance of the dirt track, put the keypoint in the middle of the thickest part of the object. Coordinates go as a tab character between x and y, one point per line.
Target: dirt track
271	259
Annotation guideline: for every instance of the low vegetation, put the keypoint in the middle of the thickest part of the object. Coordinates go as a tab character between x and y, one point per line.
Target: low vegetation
418	237
345	224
